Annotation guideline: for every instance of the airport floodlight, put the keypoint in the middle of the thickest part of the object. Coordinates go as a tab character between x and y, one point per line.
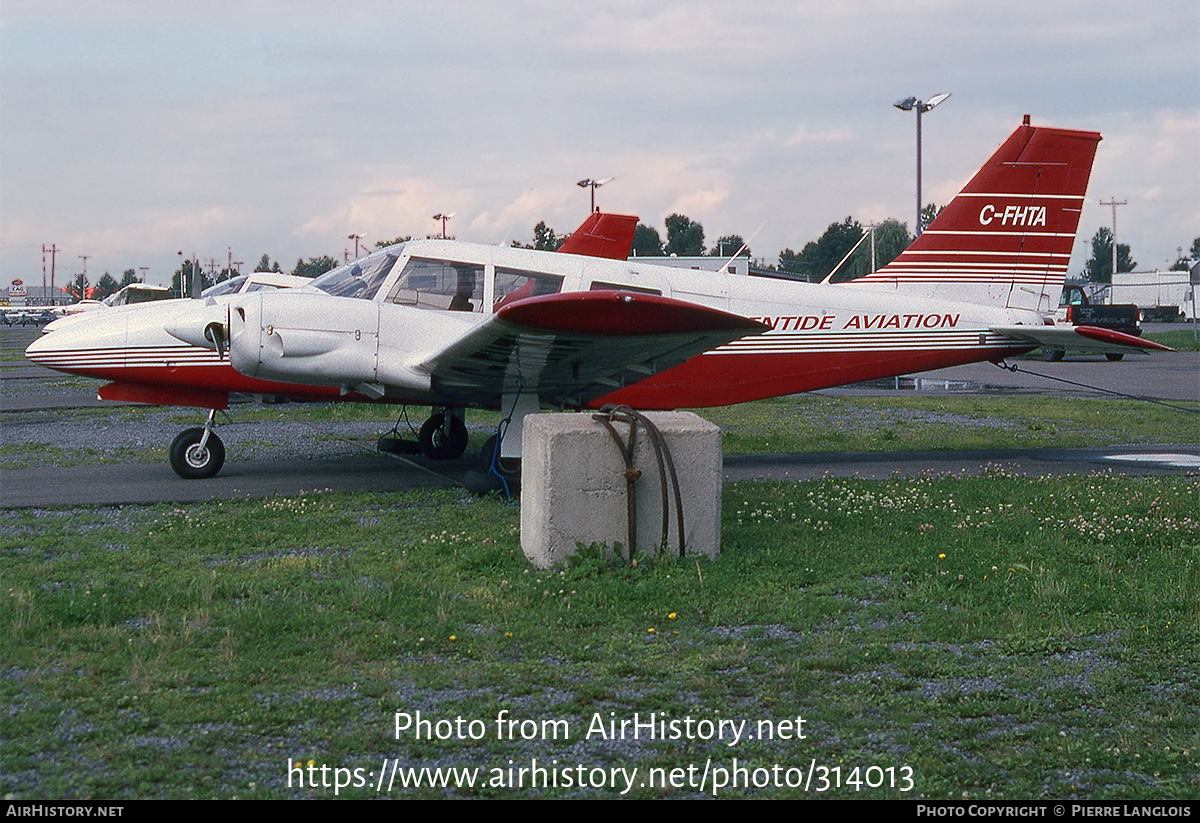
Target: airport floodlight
355	238
444	218
911	104
593	184
933	101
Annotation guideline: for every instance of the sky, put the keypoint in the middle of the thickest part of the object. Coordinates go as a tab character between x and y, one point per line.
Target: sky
133	131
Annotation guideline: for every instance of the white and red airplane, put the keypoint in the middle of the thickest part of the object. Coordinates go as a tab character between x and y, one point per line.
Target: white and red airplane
457	325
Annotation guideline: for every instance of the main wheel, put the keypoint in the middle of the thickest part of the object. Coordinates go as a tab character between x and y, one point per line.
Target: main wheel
491	461
494	474
443	437
1114	356
190	461
1052	355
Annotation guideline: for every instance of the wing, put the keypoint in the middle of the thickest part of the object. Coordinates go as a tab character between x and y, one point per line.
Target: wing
568	348
571	348
1081	338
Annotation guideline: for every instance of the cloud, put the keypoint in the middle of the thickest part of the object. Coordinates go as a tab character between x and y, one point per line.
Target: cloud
385	208
284	126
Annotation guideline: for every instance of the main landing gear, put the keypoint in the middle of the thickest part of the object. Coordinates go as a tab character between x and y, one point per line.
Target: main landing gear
197	452
442	437
495	473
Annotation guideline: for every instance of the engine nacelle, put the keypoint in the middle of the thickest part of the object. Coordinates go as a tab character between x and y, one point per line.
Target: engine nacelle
204	325
303	337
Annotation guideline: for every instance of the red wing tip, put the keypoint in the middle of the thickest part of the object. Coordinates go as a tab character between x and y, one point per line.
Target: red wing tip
1120	338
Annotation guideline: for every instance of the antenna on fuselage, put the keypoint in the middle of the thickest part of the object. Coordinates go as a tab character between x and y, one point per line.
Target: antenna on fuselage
828	277
725	268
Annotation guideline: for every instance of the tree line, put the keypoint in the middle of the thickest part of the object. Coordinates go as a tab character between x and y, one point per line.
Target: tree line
832	250
685	238
1099	267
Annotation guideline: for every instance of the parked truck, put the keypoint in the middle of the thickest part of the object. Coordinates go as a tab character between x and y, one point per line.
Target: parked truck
1075	309
1159	295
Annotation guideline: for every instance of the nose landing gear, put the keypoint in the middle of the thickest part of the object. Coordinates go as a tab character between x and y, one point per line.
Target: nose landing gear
198	453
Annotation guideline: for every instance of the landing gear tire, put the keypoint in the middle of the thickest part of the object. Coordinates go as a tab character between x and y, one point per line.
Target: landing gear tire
190	461
495	474
443	437
1114	356
491	461
1053	355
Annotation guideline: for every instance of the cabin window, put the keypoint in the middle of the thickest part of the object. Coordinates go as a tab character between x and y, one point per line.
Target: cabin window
599	286
360	279
439	284
514	284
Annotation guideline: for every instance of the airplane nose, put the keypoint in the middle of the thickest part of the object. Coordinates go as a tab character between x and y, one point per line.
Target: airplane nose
82	348
53	350
39	349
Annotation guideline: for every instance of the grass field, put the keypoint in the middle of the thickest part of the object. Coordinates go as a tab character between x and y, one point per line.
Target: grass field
1179	339
995	637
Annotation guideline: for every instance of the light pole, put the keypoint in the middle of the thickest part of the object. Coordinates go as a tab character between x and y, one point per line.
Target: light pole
444	218
196	286
593	185
1114	203
921	107
355	238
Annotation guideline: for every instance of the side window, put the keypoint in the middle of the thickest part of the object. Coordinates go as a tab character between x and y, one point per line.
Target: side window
514	284
599	286
439	284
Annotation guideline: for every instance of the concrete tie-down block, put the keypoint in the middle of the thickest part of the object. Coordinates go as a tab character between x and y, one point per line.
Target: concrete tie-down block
574	490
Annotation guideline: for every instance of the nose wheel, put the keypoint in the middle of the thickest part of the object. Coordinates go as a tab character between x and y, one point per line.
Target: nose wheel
198	453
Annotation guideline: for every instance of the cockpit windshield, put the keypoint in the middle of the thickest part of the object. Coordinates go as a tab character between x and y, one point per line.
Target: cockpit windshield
361	278
230	286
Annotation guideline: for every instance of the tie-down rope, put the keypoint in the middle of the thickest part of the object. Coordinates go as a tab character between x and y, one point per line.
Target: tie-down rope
614	413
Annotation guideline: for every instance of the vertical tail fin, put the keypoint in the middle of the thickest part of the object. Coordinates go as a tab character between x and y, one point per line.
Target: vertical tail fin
1006	239
602	235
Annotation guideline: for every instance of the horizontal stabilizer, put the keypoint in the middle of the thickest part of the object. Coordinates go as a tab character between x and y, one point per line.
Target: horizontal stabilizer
1081	338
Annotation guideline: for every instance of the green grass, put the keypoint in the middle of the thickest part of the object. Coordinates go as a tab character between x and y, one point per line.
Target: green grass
808	423
995	637
1180	340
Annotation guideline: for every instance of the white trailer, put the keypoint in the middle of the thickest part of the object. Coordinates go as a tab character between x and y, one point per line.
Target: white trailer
1159	295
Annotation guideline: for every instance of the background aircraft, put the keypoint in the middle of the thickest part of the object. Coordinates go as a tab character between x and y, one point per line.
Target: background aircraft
455	325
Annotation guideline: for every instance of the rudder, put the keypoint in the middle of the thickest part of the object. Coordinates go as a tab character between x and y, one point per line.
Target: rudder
1006	239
